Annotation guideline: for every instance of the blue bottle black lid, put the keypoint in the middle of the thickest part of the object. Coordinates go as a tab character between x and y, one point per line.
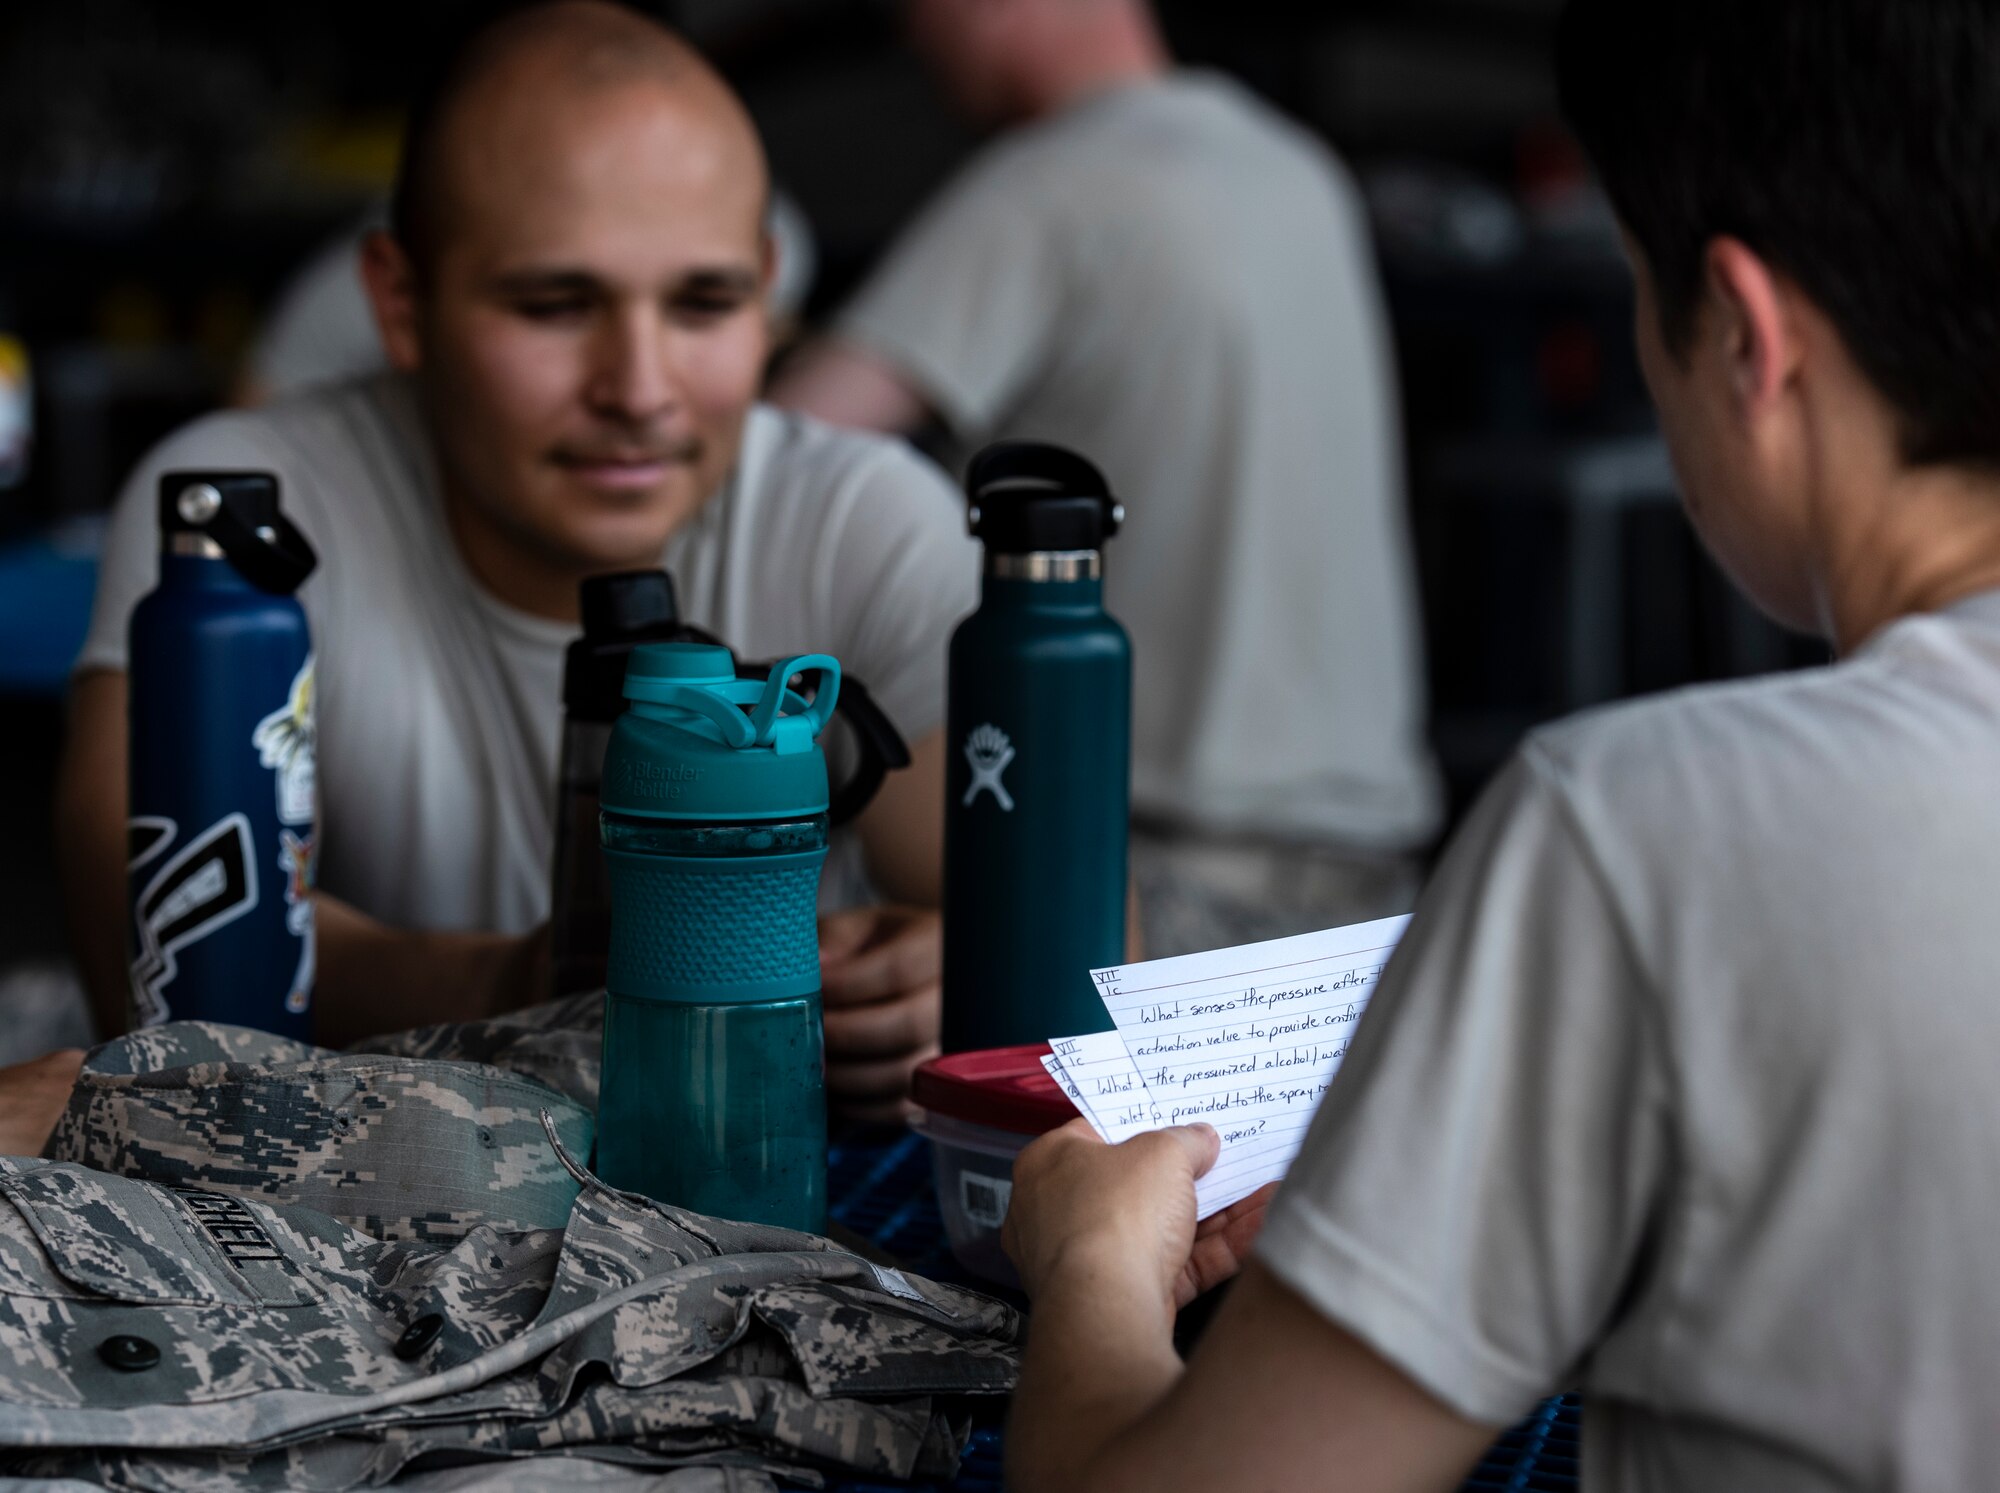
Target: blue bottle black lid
239	512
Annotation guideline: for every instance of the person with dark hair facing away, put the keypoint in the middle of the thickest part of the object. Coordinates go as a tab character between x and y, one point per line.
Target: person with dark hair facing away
1679	1090
572	303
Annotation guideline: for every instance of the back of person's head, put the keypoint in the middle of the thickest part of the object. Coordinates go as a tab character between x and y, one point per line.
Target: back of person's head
1003	61
1853	145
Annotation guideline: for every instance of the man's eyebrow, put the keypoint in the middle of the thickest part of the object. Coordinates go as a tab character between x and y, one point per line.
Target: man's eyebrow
734	280
728	280
546	281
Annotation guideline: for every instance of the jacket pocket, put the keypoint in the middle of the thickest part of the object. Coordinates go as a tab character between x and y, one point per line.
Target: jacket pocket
123	1240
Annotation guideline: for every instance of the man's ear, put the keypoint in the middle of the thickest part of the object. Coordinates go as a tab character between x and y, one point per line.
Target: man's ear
768	252
1746	310
391	282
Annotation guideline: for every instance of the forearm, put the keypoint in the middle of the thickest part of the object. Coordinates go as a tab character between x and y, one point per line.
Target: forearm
842	384
90	846
902	832
95	915
373	978
1100	1357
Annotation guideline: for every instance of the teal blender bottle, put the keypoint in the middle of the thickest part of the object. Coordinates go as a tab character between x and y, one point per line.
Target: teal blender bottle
1038	766
715	827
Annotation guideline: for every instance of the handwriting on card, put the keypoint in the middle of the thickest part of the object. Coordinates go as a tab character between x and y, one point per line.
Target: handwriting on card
1246	1039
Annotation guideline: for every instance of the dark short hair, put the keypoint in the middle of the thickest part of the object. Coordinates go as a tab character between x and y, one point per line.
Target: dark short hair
1854	145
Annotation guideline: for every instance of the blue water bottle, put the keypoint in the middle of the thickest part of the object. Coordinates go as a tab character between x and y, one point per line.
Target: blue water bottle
220	841
1038	771
715	827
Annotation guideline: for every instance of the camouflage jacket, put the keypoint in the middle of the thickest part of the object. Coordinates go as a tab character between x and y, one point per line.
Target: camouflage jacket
246	1263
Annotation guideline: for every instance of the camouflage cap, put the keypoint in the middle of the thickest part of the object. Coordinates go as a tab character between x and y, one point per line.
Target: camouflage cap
398	1147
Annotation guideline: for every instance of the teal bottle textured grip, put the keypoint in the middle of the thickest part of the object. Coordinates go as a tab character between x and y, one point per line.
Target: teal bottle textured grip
714	929
714	830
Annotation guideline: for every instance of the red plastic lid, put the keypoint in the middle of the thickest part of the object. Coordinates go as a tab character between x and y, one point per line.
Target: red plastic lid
1004	1087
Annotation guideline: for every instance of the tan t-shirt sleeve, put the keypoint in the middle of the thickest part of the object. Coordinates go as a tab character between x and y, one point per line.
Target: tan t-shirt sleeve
967	300
903	572
1475	1192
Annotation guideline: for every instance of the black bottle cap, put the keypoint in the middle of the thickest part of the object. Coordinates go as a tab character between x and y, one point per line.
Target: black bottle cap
1026	497
238	511
191	501
620	612
626	604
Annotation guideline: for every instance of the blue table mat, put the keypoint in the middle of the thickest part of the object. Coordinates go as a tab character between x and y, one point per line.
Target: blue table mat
879	1184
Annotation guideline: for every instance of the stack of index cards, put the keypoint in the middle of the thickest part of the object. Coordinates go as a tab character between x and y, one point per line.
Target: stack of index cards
1244	1039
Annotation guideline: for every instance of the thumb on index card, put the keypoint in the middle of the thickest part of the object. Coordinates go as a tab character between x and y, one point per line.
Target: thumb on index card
1202	1142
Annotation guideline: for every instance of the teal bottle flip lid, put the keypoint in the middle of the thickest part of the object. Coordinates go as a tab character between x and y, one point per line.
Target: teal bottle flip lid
696	742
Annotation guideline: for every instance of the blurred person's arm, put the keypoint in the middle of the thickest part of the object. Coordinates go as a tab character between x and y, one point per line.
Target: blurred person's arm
90	844
902	831
843	384
371	978
881	966
374	978
902	573
32	1098
962	315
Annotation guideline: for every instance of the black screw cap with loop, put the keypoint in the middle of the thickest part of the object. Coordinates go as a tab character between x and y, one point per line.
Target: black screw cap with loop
1028	497
239	512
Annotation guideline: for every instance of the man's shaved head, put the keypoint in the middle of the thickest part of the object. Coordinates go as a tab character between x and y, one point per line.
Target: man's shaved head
536	59
576	286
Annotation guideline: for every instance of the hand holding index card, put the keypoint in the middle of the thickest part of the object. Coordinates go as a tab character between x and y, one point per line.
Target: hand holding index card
1244	1039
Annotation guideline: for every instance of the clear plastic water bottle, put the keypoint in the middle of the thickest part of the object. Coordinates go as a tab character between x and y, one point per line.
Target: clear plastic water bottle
715	828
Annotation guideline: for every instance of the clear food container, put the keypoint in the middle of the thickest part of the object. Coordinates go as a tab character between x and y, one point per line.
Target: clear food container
980	1110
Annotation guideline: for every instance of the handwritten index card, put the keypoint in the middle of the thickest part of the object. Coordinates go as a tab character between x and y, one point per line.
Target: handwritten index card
1244	1039
1108	1087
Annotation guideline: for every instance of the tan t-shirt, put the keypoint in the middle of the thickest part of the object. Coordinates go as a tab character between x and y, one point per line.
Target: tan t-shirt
1681	1088
1176	282
439	707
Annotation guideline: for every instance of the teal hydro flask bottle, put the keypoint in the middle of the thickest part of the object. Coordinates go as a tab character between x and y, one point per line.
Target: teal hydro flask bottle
715	826
1038	767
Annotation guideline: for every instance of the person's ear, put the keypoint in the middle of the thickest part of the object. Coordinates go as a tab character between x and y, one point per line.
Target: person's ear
768	253
391	282
1746	312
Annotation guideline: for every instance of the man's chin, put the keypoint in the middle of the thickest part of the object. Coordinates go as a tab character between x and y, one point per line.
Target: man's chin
608	532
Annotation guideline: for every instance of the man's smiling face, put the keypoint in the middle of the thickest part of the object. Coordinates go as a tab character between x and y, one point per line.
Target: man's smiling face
591	317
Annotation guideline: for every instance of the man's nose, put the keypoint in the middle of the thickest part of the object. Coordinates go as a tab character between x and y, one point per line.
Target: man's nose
632	375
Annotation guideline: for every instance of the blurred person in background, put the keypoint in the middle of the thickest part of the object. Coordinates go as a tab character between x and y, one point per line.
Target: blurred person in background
572	301
1152	266
1678	1092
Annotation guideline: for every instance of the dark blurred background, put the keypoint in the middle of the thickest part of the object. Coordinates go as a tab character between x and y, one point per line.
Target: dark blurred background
163	169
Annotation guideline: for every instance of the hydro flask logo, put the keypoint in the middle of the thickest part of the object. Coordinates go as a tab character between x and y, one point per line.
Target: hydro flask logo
987	752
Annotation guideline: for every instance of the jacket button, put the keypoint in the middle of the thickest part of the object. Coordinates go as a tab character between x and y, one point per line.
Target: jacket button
418	1336
131	1355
